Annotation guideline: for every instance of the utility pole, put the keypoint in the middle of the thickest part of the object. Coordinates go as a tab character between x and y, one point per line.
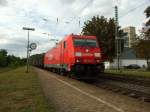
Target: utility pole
28	50
116	37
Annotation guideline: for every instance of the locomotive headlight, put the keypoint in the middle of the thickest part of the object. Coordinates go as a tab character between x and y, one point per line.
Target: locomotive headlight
77	61
97	54
97	61
78	54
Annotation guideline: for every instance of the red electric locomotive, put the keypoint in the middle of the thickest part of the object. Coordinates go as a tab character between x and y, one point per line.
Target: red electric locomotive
76	55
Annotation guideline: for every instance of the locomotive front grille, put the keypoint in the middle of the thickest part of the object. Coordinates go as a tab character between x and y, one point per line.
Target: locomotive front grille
86	68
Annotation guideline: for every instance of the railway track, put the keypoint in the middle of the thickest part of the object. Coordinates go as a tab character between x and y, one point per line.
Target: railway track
132	87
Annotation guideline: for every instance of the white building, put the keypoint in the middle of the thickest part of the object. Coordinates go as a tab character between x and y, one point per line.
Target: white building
130	38
128	57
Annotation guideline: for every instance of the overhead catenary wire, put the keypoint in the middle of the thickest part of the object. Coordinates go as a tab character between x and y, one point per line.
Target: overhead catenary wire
75	19
133	9
59	19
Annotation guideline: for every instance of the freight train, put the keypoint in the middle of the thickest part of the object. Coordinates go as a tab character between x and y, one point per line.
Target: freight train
77	56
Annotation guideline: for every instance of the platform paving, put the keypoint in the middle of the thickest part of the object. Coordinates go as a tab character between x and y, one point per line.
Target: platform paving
69	95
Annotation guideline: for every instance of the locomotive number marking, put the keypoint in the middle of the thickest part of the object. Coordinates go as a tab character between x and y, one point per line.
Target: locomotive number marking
87	54
88	61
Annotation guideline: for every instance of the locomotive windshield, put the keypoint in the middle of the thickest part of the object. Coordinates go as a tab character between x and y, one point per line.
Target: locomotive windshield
85	42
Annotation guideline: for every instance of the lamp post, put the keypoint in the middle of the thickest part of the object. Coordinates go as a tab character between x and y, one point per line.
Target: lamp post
28	29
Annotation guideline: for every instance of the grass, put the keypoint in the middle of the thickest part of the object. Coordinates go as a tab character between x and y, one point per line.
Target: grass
130	72
5	69
21	92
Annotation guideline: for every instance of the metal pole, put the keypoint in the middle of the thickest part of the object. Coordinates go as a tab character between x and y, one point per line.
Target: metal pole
116	36
28	53
31	29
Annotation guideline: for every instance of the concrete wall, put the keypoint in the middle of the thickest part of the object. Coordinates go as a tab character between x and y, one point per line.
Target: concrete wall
126	62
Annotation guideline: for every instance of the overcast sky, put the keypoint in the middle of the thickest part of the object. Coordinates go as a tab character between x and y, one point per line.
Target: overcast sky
42	15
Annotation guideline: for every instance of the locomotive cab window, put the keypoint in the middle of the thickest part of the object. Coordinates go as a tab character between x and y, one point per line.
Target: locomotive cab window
85	42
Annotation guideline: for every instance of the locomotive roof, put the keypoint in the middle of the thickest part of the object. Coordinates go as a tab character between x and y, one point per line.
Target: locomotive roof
79	36
74	36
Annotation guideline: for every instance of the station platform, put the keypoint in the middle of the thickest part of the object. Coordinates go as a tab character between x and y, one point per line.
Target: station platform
70	95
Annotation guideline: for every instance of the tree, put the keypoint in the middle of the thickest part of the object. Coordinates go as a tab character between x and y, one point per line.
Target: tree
3	58
9	60
146	28
147	11
143	50
14	61
104	30
142	47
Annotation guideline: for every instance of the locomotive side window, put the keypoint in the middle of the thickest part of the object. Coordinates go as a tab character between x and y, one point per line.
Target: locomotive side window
65	44
85	42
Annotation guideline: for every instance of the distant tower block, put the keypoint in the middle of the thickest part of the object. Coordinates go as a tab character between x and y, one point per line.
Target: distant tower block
131	36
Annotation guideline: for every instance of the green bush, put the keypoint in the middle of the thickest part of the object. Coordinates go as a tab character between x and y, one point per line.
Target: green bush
10	60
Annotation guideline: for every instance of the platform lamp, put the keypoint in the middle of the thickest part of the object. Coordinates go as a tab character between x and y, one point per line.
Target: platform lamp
28	29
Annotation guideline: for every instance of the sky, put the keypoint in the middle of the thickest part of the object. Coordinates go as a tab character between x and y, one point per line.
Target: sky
58	18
